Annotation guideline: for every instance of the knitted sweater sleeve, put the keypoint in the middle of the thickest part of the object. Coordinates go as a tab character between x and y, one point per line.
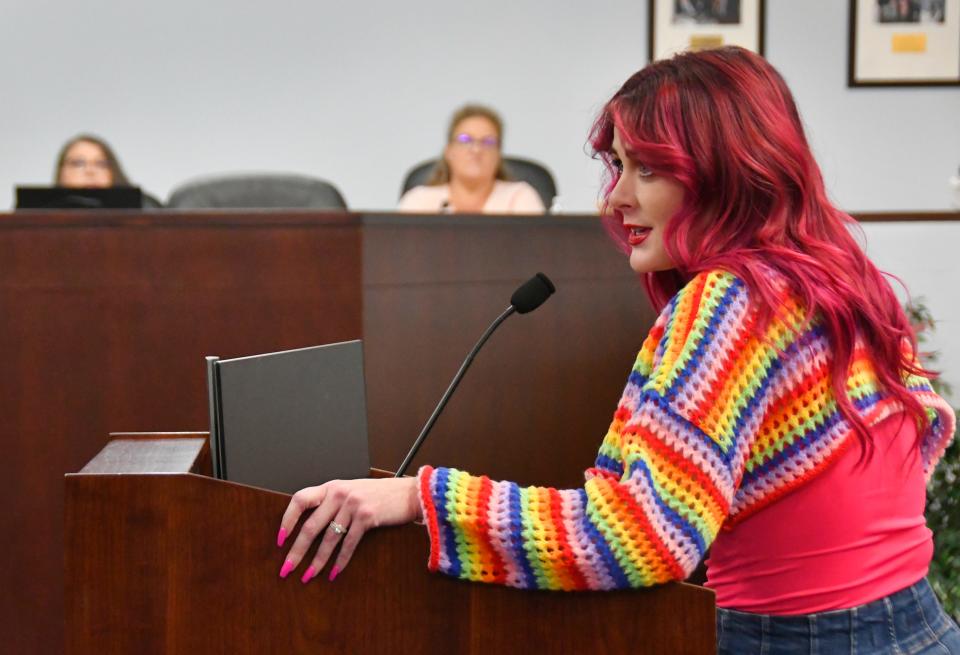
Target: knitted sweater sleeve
663	480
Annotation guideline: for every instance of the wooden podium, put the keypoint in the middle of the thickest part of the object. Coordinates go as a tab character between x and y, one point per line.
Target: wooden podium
162	558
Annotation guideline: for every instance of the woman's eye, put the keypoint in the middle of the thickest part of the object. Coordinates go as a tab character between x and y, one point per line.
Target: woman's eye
617	164
644	171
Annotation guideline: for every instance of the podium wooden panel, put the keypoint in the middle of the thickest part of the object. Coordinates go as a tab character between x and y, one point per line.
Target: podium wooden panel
171	561
538	399
104	321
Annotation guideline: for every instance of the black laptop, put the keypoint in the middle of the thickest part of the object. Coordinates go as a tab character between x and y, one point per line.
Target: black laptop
58	197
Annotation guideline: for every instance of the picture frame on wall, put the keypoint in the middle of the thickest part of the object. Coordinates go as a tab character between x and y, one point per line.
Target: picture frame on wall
678	25
904	43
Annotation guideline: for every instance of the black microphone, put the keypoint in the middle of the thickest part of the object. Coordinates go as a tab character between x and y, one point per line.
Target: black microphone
530	295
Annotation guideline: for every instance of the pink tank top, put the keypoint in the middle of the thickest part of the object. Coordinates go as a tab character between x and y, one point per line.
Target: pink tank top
850	536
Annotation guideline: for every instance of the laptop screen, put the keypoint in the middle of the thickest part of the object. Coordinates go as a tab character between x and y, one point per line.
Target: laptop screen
121	197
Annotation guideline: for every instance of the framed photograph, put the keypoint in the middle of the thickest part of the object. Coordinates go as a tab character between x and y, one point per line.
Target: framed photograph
904	43
678	25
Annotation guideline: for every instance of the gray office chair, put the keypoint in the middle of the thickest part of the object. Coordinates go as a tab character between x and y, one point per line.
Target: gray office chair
257	191
526	170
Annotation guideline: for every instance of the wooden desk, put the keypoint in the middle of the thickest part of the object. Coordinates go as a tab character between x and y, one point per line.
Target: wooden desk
106	318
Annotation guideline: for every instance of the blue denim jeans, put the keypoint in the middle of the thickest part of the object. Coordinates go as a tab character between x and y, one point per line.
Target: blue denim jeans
907	622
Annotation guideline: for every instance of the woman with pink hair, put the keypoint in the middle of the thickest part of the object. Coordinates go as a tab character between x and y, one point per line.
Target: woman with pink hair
776	413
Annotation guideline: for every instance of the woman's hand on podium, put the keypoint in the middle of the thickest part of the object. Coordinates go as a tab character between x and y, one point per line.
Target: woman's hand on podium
343	509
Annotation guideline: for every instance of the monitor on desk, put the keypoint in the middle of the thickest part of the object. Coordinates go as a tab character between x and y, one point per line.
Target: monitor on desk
57	197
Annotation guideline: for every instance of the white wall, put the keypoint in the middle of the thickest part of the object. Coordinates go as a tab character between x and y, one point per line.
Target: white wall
357	92
880	149
924	256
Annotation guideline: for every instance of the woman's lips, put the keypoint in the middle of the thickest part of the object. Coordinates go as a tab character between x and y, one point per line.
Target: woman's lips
637	235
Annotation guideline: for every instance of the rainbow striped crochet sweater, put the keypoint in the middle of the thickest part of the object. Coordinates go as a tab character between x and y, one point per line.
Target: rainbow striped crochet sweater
715	423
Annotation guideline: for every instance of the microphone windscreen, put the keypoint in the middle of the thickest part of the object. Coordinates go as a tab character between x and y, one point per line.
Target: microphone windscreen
532	293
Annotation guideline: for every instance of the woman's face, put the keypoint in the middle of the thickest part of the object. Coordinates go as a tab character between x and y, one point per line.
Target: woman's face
473	154
647	203
85	165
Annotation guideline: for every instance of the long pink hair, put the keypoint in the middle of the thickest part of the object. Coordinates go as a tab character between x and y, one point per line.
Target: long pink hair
724	125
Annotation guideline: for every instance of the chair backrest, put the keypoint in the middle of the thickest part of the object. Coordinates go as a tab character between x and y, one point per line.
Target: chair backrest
257	191
526	170
150	202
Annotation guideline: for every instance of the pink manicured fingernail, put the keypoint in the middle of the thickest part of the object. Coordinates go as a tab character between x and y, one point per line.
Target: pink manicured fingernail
333	573
286	568
281	537
308	575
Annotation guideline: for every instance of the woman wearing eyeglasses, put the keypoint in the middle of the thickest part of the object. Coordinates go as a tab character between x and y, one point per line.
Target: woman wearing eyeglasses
470	177
88	162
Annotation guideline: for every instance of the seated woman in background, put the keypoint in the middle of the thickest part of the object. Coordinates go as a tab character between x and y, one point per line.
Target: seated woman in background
88	162
471	177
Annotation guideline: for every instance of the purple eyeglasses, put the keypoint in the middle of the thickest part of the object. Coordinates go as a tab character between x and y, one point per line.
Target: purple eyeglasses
486	143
